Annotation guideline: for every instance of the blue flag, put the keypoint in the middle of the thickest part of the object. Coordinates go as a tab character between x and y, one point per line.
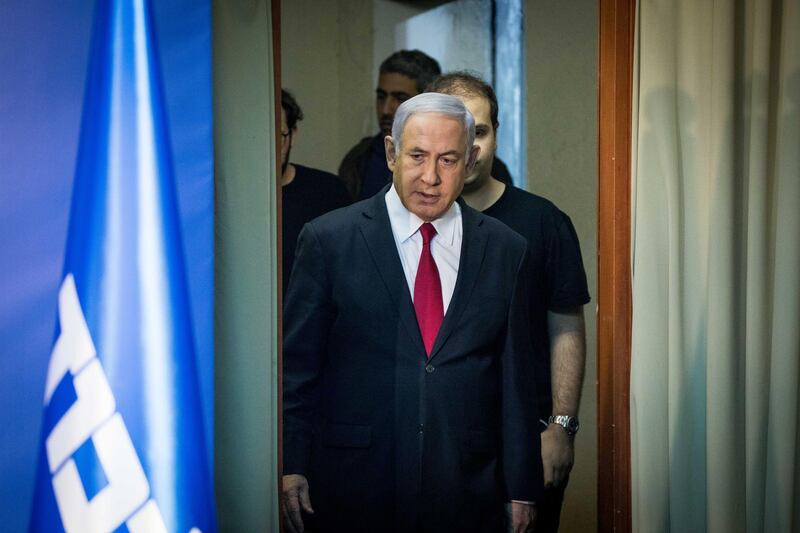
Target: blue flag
122	445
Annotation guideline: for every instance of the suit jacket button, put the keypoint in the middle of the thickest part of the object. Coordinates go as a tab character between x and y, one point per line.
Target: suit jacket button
429	369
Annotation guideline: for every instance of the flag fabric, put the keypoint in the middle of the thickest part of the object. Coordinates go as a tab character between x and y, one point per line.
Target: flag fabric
122	446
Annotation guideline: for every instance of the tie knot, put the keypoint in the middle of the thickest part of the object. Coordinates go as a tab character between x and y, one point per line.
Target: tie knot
428	231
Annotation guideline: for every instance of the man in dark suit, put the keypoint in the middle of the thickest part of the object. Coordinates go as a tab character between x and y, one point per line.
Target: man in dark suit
409	397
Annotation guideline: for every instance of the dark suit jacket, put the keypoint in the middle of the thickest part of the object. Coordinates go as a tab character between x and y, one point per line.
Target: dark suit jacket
388	440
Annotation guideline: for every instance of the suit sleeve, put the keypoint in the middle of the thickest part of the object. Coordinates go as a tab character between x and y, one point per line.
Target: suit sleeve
308	315
522	457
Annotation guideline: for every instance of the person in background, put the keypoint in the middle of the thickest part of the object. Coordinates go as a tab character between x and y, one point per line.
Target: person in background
403	74
557	284
306	192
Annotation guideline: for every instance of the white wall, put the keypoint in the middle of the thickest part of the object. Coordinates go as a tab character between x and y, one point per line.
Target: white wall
436	32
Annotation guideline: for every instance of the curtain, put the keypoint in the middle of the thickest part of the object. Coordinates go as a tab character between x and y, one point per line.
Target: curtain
715	361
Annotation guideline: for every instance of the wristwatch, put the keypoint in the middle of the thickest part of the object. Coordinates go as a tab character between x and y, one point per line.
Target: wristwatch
569	423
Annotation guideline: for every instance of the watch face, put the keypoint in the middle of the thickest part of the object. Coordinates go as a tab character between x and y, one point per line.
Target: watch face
573	425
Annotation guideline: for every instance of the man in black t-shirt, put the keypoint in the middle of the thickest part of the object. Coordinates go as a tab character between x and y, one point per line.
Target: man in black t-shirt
558	290
306	193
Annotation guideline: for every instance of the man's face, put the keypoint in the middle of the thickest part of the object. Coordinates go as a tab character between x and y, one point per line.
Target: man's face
286	141
429	171
393	89
485	138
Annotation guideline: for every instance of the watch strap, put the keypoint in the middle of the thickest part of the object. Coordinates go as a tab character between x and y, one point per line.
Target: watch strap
569	423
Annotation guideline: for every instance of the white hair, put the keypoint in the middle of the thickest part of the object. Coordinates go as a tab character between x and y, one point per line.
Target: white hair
442	104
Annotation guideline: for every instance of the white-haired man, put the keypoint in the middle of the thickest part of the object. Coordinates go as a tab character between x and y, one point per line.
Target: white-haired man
407	399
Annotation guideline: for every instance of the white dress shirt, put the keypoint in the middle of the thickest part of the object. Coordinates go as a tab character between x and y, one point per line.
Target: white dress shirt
445	245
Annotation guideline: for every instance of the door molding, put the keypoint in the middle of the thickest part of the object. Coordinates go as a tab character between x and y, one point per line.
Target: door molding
615	75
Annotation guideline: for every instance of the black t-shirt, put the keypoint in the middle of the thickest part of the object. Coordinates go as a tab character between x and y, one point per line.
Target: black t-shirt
311	193
557	279
500	171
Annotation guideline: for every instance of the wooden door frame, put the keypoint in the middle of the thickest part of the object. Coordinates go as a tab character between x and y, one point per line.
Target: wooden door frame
615	82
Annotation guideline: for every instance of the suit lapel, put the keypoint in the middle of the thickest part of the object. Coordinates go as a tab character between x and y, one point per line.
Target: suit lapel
377	232
473	246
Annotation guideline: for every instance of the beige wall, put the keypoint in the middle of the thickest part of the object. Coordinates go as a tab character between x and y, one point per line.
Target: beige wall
561	63
326	62
386	13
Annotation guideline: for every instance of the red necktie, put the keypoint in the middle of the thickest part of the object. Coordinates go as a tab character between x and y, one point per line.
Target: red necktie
428	291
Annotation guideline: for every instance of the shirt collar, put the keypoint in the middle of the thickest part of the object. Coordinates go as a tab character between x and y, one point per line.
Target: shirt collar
405	223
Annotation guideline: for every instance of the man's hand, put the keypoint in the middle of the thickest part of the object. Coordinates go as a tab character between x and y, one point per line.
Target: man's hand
558	455
295	496
521	517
